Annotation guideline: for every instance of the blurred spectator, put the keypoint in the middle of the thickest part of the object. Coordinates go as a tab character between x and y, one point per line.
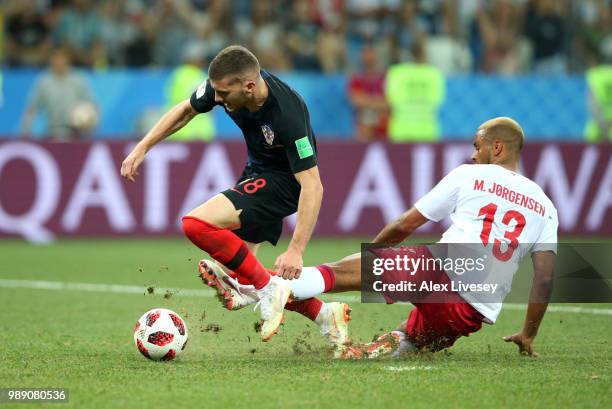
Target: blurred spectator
366	92
168	25
545	28
466	10
27	41
409	25
56	94
445	48
241	8
183	80
448	54
328	12
138	51
594	40
368	21
495	37
302	37
332	48
440	17
599	80
78	30
362	22
215	28
264	35
117	31
415	91
325	35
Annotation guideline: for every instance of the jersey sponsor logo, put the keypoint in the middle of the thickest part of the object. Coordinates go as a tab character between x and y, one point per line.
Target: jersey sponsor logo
201	89
268	133
304	148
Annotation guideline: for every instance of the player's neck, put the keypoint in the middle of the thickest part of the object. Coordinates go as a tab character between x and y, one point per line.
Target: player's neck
510	165
260	96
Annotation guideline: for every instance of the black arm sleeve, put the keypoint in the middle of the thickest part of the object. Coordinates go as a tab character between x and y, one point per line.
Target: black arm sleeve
299	141
203	98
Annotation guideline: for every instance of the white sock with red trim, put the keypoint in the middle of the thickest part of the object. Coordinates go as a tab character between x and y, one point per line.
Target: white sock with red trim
310	284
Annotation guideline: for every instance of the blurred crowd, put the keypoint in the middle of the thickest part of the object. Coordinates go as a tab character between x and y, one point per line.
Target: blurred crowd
394	53
492	36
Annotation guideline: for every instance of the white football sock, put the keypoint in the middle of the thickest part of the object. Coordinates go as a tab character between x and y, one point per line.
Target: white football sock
310	284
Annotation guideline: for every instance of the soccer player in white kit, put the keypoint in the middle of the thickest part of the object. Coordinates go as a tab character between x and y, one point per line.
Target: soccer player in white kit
489	203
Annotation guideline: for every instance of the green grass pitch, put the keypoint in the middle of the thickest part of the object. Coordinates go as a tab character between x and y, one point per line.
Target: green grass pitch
83	341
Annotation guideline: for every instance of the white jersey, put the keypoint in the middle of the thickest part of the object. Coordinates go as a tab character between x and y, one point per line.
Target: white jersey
508	213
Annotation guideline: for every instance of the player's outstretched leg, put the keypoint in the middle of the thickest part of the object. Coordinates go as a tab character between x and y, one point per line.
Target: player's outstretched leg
339	276
228	249
332	318
235	296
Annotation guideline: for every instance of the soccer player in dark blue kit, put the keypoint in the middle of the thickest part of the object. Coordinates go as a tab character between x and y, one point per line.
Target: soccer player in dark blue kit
280	178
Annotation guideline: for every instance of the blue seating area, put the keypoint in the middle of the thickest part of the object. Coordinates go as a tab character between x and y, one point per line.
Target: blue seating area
547	107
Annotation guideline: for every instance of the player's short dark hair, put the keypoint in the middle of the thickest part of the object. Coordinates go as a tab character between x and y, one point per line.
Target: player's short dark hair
235	61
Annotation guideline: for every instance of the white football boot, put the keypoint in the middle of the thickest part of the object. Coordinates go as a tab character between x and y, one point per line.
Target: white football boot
333	323
232	295
272	299
385	345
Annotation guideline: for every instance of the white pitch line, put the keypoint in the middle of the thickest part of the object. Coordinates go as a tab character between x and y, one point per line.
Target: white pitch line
561	308
103	288
186	292
506	306
407	368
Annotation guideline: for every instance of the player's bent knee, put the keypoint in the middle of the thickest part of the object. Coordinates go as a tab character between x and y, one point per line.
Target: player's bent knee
192	227
218	211
199	231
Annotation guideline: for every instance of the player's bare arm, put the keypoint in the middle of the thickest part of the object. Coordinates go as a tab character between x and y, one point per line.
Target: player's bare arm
172	121
348	270
541	289
399	229
289	264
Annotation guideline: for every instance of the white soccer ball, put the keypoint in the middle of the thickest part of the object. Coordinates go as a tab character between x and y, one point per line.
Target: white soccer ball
160	334
84	116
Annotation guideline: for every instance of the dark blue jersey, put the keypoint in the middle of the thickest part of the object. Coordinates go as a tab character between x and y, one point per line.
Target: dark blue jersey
278	136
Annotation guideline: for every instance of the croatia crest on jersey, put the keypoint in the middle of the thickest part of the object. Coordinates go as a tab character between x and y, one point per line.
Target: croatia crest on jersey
268	133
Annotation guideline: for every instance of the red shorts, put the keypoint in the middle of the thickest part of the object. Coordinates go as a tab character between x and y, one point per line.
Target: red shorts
440	317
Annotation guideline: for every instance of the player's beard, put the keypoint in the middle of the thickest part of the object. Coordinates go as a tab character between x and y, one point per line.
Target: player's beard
485	158
237	103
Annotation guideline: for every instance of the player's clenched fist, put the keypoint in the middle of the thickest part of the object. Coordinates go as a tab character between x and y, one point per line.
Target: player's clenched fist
129	167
